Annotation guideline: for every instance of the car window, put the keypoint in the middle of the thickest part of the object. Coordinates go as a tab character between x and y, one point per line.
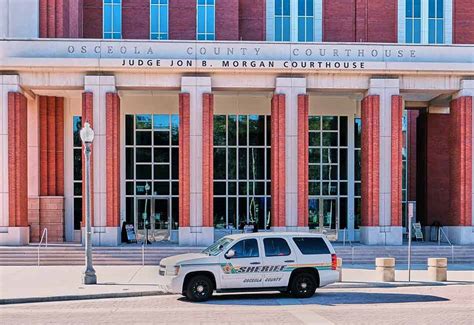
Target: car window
246	248
311	245
276	247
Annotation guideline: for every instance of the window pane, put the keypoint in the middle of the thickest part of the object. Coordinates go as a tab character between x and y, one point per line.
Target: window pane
143	155
256	163
161	155
286	29
117	19
143	171
301	7
175	129
210	20
143	138
440	32
301	29
309	30
246	248
278	7
161	138
161	188
409	31
77	164
219	213
311	245
278	29
219	163
286	7
431	31
440	9
107	18
129	130
129	156
314	123
276	247
242	130
409	8
417	31
417	12
257	130
219	130
154	19
329	122
309	7
431	9
161	121
231	130
232	164
143	121
162	172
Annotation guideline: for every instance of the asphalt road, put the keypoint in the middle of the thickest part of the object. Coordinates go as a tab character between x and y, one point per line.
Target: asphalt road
347	303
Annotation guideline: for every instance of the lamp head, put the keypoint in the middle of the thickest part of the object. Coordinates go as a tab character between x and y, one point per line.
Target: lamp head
86	133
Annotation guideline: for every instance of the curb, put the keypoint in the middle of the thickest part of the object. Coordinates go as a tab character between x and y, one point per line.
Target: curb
10	301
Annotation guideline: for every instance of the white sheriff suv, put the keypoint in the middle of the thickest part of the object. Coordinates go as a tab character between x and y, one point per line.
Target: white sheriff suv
296	263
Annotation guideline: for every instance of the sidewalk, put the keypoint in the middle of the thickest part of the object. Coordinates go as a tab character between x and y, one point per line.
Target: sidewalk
53	283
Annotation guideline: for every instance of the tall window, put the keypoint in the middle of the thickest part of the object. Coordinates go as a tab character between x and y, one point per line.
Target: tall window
328	172
112	19
242	170
159	19
282	20
413	21
436	22
206	11
151	158
357	172
77	171
305	21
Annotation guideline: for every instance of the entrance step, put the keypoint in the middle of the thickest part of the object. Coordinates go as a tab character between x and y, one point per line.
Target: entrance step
132	255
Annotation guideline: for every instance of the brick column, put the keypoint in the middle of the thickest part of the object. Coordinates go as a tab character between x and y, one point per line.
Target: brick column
303	170
184	167
278	162
200	231
113	159
460	163
51	165
396	161
208	160
13	163
53	18
17	164
381	163
370	113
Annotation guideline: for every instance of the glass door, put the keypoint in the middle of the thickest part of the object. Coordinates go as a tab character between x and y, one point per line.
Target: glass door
324	216
160	221
142	218
152	219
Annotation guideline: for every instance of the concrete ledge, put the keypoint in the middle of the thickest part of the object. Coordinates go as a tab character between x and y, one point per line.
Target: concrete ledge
196	236
104	236
81	297
381	235
460	235
14	236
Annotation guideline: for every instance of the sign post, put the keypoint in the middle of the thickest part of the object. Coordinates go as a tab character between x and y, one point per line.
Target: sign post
410	215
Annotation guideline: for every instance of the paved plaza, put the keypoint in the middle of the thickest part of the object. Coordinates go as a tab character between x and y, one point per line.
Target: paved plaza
351	303
356	300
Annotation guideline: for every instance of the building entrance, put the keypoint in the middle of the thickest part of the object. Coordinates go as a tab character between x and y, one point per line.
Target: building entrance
152	219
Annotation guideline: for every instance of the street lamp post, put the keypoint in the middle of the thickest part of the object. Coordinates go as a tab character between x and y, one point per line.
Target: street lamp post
87	136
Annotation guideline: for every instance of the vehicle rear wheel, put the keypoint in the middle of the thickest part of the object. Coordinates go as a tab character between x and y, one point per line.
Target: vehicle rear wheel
303	285
199	288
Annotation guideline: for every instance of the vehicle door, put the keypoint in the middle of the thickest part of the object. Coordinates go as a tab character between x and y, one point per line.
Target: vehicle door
278	260
241	264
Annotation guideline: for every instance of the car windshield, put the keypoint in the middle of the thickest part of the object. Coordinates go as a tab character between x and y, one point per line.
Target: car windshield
218	246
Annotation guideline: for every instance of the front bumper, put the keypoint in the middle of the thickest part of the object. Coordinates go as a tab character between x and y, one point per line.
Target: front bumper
170	284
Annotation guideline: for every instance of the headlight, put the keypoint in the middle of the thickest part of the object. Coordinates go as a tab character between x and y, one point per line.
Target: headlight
172	270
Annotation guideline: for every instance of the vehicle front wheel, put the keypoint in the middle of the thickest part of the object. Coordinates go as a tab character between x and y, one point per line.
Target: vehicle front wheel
303	285
199	288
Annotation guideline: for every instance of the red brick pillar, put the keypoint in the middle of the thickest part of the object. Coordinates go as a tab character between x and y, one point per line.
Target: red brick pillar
370	112
113	159
17	160
278	161
184	164
396	161
51	164
460	138
303	143
51	112
207	160
87	116
54	18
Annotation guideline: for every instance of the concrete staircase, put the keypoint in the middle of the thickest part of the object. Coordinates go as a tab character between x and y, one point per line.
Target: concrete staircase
70	254
361	254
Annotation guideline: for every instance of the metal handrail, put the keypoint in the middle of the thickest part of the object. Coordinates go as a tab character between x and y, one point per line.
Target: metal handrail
441	231
43	236
143	253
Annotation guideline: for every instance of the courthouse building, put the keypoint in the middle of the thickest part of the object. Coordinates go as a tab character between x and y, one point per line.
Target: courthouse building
294	115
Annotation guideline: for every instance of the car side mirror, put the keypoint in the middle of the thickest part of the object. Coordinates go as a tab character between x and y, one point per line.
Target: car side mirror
230	253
